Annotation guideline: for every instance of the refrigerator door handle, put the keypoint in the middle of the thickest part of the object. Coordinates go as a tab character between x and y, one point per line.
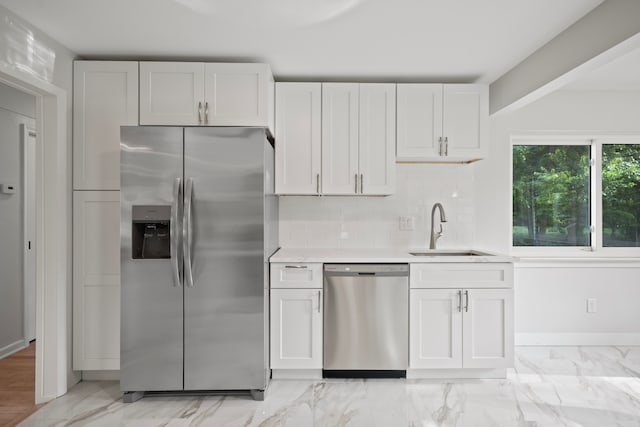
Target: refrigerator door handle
175	232
187	233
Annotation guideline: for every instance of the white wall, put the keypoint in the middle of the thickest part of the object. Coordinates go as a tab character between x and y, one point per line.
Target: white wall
25	48
16	101
551	300
551	304
363	222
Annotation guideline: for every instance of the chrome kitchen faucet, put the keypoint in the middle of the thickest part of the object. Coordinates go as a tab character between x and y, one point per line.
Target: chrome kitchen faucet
443	218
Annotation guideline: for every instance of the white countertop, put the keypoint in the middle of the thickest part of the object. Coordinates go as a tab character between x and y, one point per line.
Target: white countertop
380	255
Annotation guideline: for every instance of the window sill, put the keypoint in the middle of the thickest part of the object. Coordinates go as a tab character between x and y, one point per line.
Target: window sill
574	257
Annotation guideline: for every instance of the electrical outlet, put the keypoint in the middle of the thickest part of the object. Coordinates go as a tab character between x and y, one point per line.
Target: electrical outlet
592	305
407	223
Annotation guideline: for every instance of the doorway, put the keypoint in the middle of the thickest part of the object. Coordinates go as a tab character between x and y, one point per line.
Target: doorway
17	254
52	224
17	219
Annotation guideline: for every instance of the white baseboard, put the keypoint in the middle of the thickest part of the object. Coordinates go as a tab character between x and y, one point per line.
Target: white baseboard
441	374
296	374
526	339
100	375
14	347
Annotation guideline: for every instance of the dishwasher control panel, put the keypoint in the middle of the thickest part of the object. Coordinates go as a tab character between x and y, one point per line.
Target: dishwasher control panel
371	269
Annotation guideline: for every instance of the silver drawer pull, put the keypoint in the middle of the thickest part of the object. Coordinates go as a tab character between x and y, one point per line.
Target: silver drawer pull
295	266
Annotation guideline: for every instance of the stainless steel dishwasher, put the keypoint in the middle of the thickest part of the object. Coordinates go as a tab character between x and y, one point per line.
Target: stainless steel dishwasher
366	320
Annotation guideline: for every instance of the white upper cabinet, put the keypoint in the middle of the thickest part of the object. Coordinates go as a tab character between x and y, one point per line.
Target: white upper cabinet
442	123
340	138
206	94
238	95
419	120
377	136
105	97
465	116
298	138
358	138
171	93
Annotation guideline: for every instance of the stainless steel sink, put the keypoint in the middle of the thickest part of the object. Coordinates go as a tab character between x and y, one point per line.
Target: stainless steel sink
444	253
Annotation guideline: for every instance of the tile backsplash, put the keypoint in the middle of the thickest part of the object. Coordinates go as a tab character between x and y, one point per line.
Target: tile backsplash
374	222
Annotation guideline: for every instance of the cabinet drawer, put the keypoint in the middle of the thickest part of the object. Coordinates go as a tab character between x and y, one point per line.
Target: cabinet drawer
296	275
461	275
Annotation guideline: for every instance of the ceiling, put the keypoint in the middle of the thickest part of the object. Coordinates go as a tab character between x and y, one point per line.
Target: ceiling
399	40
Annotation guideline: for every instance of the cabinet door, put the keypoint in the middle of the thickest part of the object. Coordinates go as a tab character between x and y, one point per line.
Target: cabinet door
105	97
377	139
96	280
237	94
296	328
171	93
340	138
298	137
419	121
465	121
435	329
488	328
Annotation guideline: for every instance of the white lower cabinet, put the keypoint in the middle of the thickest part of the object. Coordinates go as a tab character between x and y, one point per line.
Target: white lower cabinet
487	328
435	329
461	328
296	328
96	280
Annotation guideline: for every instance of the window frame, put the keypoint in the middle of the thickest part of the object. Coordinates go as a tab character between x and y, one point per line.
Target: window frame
596	142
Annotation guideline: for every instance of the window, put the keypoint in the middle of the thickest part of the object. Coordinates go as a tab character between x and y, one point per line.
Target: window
621	195
576	193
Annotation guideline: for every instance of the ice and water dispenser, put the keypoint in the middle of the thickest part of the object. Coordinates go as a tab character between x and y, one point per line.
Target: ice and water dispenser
151	227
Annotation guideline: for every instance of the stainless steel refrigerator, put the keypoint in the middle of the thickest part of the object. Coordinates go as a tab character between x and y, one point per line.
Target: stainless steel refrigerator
199	221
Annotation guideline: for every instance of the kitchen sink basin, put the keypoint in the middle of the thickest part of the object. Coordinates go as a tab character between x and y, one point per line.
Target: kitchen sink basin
443	253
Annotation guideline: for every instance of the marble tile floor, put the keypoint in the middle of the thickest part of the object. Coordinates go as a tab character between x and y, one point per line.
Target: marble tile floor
549	386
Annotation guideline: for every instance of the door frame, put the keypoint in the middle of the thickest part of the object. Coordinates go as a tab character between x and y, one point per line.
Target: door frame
53	183
28	153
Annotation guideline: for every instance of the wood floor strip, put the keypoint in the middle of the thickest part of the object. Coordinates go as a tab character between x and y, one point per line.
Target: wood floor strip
17	386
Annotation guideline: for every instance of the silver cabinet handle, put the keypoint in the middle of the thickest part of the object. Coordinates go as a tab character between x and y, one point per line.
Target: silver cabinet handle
319	301
199	113
460	301
446	146
466	305
440	146
206	113
187	233
356	183
361	183
318	183
175	235
295	266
